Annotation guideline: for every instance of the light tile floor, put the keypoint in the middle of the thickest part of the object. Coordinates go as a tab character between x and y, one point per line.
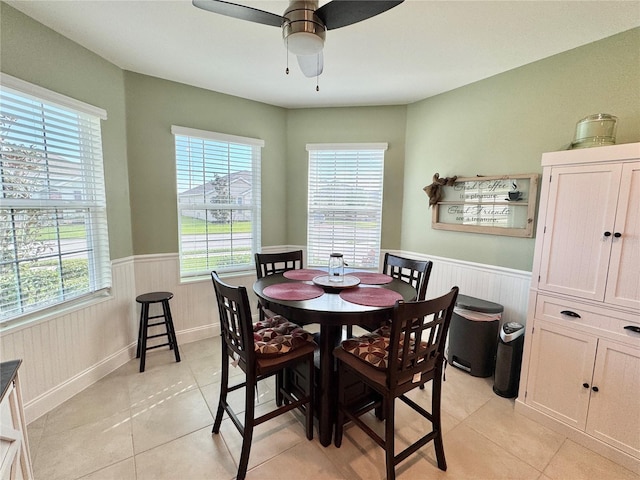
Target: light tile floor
157	425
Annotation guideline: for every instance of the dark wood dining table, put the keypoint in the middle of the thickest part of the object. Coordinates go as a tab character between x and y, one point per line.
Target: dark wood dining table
331	312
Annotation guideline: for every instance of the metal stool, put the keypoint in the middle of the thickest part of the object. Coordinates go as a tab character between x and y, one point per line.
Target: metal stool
145	300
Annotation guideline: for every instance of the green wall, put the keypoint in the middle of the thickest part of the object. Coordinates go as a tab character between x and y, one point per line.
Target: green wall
36	54
345	125
502	125
153	106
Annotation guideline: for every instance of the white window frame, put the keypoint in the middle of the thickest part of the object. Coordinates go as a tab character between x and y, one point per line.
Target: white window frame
60	173
193	171
346	216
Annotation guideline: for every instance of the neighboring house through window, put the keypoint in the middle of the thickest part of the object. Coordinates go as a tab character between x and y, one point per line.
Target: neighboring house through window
344	211
218	182
53	224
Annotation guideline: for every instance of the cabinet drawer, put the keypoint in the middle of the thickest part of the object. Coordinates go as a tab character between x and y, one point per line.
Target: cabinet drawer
597	320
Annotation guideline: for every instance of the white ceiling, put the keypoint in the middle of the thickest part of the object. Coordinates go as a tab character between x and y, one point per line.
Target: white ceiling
416	50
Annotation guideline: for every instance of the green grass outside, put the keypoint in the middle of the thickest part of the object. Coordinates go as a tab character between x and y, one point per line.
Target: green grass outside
198	261
193	226
67	232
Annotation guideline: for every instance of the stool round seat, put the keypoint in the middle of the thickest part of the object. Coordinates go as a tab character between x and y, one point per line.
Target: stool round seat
146	299
154	297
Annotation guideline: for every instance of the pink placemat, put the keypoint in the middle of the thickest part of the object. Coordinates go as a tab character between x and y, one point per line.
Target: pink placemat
371	297
293	291
303	274
371	278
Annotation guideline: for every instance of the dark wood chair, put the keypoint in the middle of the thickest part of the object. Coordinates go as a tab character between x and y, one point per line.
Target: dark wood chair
414	272
259	359
393	363
270	263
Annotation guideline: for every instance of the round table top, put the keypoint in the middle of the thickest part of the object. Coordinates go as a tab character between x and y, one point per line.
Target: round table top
329	308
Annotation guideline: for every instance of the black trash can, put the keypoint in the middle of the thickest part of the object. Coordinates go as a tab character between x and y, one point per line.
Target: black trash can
473	335
508	360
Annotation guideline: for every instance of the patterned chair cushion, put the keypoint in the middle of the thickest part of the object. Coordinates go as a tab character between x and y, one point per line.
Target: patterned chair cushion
373	347
274	322
281	338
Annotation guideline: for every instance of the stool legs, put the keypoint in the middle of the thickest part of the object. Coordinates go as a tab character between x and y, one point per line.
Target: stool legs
171	332
141	326
143	336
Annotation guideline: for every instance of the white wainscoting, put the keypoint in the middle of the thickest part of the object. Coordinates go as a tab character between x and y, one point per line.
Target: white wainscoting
66	352
508	287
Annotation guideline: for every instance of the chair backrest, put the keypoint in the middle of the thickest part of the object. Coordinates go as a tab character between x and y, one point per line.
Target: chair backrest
418	333
235	323
414	272
270	263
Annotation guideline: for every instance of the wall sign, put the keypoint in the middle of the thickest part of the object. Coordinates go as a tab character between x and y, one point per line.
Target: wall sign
499	205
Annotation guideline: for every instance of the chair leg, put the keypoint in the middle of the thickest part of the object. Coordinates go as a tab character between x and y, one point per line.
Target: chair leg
224	389
379	410
437	426
247	434
337	441
349	331
389	434
309	406
279	387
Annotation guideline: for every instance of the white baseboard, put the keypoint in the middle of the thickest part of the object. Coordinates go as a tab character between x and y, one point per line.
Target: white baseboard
46	402
49	400
198	333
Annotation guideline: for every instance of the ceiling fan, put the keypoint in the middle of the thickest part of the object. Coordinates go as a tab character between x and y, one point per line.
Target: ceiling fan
303	24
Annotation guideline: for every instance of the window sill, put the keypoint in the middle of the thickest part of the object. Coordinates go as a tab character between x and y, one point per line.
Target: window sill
207	277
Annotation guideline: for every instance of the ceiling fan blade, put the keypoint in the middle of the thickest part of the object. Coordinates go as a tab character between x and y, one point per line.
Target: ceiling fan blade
239	11
340	13
311	65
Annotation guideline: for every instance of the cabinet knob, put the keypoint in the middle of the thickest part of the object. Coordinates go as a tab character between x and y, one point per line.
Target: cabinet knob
569	313
607	234
633	328
595	389
585	385
617	234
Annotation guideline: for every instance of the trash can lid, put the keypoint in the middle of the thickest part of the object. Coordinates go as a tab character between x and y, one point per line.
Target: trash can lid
478	305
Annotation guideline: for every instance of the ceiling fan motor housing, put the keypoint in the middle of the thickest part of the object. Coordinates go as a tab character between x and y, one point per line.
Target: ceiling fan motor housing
303	31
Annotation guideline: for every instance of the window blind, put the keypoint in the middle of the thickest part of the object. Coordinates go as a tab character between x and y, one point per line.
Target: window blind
344	211
53	226
218	184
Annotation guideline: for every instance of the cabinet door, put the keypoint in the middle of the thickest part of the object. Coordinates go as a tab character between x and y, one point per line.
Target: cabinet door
623	282
614	410
561	363
575	251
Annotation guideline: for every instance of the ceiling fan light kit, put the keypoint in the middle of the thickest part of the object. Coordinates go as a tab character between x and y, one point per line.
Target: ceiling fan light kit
303	24
303	32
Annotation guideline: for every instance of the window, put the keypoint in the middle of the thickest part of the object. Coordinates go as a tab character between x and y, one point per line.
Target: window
344	211
218	180
53	224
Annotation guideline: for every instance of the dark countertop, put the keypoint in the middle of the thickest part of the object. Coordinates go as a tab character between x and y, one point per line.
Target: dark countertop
8	371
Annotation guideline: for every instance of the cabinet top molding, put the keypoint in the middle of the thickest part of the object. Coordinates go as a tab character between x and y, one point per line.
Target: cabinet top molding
618	153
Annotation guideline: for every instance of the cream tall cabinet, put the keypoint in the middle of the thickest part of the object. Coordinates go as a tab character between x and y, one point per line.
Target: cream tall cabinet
581	365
